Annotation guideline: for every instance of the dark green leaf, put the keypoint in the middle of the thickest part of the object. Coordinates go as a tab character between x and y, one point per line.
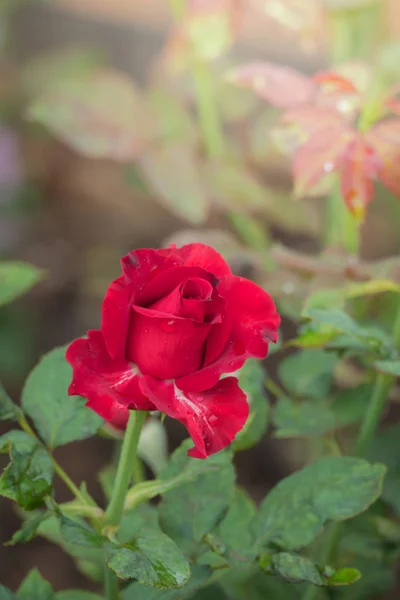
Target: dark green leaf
59	418
132	521
77	595
153	559
28	528
28	477
302	418
295	511
198	580
251	380
34	587
349	405
386	448
16	278
8	410
298	569
308	372
192	510
76	531
6	594
50	530
234	528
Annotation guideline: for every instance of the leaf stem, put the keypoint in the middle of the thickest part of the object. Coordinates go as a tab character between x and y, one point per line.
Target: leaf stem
378	399
210	123
111	589
341	228
126	467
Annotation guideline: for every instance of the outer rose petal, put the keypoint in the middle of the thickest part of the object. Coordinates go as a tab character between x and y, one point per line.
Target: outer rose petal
250	322
212	417
138	269
110	386
200	255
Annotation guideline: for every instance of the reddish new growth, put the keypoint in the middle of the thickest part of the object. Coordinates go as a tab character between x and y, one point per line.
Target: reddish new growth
334	121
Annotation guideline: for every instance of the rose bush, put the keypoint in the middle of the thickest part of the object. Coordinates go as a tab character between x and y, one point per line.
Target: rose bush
173	324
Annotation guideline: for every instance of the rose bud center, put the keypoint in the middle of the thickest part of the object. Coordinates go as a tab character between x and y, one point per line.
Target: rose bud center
167	338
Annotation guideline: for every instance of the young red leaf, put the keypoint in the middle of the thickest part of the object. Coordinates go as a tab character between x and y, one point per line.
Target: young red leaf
322	154
360	169
281	86
297	125
385	139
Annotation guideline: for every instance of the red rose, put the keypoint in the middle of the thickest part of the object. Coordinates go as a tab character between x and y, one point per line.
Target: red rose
173	324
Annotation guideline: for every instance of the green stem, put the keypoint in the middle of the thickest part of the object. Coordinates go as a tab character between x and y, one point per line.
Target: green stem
125	467
111	588
177	8
341	228
378	400
210	124
327	554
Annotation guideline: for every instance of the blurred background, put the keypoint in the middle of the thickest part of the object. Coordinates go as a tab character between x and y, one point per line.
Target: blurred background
102	150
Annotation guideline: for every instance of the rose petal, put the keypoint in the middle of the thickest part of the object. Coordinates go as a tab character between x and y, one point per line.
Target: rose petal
212	417
249	323
138	270
165	347
168	280
110	386
200	255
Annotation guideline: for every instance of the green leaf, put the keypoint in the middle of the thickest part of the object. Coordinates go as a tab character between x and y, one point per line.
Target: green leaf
302	418
173	174
295	511
34	587
386	448
6	594
16	278
199	579
392	367
234	528
28	528
340	322
76	531
50	530
28	477
235	187
8	410
234	534
59	418
298	569
349	405
251	380
193	509
153	559
80	110
133	521
308	372
77	595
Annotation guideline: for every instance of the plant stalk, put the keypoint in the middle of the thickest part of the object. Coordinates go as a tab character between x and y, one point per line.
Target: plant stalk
126	467
379	398
210	123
